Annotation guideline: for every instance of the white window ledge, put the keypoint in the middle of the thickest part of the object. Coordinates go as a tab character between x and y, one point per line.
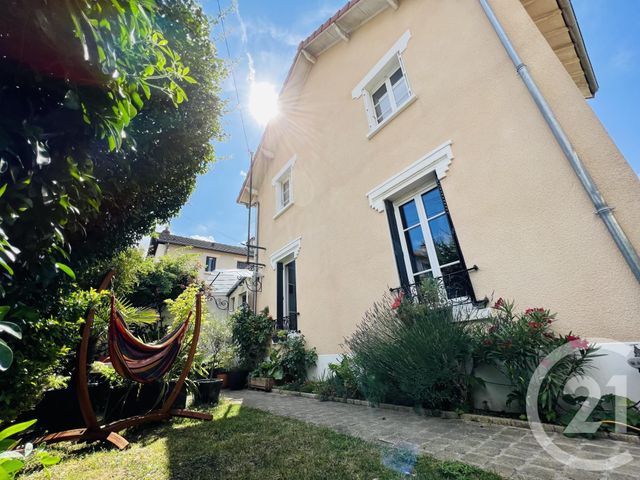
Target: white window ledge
398	111
282	210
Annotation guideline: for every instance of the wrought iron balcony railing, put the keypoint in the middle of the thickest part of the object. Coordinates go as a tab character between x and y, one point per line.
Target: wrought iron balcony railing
289	323
455	289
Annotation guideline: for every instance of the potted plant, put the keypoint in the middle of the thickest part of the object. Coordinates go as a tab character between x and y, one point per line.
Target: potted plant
216	347
263	377
251	333
223	375
208	390
237	375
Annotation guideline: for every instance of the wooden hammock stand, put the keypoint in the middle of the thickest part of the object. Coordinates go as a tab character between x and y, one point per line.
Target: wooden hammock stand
94	430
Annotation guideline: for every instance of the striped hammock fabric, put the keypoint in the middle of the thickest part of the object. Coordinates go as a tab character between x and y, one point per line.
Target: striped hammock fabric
139	361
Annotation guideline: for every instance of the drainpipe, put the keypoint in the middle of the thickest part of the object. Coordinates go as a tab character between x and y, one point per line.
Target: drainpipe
601	208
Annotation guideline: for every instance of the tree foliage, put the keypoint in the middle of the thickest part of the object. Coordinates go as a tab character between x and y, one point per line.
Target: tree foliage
149	179
93	150
58	105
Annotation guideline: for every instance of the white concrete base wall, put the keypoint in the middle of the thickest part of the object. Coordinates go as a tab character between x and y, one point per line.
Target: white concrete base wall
322	365
610	373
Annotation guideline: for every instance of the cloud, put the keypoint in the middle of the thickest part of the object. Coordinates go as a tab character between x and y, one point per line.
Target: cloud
243	173
243	26
205	238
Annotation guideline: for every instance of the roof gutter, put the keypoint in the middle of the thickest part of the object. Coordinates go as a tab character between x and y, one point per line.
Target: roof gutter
574	29
602	209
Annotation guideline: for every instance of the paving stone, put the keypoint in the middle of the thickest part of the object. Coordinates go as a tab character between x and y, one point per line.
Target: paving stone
511	452
538	472
575	474
506	471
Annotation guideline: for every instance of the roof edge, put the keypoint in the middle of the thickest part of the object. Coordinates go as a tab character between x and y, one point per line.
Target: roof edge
569	14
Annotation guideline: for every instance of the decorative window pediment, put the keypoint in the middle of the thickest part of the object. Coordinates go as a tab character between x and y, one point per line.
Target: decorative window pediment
435	162
286	253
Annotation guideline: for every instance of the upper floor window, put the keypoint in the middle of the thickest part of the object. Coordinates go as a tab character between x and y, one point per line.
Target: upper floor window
210	264
385	88
392	94
283	183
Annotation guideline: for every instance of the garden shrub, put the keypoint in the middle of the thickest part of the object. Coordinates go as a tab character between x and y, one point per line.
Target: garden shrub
413	352
216	343
251	333
342	381
516	343
295	359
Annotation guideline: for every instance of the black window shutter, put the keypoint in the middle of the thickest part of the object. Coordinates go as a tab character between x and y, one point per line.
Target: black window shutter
279	295
397	246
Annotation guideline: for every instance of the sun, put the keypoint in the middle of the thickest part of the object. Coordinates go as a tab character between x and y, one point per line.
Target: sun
263	102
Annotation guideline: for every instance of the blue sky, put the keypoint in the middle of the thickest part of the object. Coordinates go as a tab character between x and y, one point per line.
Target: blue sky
263	37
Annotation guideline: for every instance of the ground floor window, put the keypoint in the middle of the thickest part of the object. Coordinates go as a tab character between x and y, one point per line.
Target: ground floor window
287	301
429	244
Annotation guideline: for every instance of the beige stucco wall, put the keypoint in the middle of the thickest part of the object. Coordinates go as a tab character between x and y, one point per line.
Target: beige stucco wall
519	211
224	260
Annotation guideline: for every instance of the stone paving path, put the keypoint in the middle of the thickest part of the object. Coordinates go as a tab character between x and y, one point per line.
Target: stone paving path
510	451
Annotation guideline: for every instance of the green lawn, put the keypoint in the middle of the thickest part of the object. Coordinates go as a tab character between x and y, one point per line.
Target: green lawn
241	443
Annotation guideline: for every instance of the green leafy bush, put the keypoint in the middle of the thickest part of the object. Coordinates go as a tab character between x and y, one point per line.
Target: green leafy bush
413	352
154	281
10	329
13	461
295	359
251	332
270	368
516	343
603	410
216	345
346	378
46	347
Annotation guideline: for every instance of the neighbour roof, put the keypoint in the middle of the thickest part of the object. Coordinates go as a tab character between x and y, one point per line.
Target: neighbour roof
167	237
565	38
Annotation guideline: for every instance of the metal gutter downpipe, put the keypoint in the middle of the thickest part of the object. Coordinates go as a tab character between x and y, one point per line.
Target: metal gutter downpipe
602	209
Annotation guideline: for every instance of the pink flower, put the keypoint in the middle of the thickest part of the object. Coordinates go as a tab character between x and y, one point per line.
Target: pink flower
534	324
499	303
577	342
397	301
493	328
529	311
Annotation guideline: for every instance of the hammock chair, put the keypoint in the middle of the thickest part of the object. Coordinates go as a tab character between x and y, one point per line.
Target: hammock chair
137	361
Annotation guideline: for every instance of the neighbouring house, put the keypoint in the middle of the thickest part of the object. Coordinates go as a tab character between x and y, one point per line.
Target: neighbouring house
226	269
408	145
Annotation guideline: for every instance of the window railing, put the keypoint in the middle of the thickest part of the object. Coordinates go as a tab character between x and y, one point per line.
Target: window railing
289	323
455	287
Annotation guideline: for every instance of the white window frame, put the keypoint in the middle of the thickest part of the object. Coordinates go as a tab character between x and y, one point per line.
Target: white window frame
285	284
416	196
206	263
284	175
380	74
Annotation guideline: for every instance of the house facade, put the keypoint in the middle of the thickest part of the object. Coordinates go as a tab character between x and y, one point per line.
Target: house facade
409	146
223	268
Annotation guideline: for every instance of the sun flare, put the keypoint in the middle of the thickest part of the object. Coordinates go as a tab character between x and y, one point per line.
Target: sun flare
263	102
